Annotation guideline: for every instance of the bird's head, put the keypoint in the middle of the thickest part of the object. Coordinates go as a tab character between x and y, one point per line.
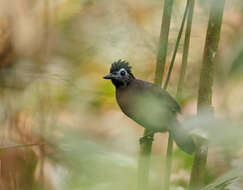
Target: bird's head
120	74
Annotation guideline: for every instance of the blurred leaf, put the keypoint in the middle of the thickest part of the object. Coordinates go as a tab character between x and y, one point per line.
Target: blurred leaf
92	164
226	134
225	181
237	65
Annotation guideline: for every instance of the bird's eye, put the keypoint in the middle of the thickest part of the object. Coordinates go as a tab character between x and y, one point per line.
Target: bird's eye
123	73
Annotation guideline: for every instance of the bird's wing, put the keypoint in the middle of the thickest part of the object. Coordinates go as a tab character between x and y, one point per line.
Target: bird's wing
160	94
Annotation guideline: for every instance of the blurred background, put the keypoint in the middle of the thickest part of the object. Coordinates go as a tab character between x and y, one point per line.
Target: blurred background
53	55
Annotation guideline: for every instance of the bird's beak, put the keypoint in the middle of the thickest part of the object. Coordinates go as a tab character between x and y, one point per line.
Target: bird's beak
109	76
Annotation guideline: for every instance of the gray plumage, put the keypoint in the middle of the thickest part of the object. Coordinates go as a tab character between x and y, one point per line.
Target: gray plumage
148	105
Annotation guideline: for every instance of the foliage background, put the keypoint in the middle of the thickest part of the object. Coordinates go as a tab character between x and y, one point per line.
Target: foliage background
53	55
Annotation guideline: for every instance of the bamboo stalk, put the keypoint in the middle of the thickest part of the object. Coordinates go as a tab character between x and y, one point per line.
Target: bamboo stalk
146	147
144	163
177	45
163	42
167	174
205	87
185	49
168	161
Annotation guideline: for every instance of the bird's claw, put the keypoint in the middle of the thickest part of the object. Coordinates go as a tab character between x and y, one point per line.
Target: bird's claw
144	139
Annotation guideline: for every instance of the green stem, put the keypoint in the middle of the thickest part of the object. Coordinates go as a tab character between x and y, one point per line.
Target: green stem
163	42
146	147
177	45
167	174
199	164
185	49
210	52
144	160
205	87
166	185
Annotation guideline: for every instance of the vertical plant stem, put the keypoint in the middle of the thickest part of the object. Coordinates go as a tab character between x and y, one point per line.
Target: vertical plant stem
199	164
210	52
205	86
146	147
185	49
163	42
144	160
168	162
167	174
177	45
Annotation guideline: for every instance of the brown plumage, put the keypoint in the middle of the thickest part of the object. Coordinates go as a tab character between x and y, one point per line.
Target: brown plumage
148	105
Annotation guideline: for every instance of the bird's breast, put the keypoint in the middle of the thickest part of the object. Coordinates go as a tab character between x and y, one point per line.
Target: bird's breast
142	109
125	101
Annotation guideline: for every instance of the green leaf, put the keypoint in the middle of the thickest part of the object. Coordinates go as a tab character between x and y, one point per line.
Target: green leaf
222	183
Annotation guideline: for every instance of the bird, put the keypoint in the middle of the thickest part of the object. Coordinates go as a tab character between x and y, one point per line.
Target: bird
148	105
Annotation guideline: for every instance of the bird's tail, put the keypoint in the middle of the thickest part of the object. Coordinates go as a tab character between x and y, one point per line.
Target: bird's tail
182	138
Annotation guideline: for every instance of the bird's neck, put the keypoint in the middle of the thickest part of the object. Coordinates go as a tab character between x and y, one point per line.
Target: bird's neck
117	84
123	84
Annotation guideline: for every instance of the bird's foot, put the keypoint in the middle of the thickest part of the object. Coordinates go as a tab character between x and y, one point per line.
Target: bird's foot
146	138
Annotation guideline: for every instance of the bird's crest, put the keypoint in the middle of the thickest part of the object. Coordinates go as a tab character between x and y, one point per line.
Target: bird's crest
117	65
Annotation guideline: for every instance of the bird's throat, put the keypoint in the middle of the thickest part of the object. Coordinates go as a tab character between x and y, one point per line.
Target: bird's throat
118	84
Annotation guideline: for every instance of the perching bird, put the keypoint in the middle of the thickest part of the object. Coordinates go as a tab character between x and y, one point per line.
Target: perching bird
148	105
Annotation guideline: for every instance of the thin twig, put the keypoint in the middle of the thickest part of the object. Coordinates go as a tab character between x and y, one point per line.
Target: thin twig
185	49
21	145
177	45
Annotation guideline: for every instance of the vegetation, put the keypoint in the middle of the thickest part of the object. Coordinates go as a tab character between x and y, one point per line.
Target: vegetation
60	125
205	87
